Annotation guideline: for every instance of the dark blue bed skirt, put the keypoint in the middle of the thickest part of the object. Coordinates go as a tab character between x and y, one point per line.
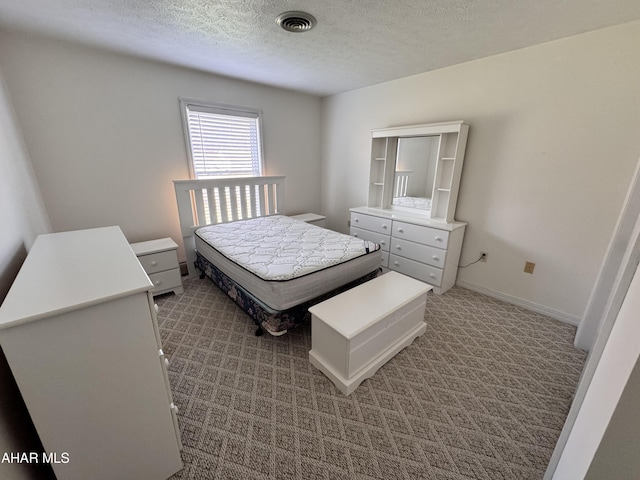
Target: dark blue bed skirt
273	321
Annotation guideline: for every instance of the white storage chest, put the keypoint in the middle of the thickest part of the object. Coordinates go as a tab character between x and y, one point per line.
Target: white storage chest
353	334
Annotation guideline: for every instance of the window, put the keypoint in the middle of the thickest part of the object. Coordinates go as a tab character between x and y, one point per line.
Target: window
222	141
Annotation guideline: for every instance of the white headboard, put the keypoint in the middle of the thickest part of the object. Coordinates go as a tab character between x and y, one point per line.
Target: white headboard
222	200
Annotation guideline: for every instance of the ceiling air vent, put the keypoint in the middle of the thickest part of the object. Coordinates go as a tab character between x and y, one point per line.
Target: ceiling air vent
296	22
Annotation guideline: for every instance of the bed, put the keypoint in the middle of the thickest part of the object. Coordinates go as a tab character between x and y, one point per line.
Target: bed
273	266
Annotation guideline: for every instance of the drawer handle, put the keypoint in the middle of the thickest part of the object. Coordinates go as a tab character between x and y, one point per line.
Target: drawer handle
400	230
382	242
356	220
435	257
384	226
157	282
396	263
431	275
355	235
154	263
398	247
438	239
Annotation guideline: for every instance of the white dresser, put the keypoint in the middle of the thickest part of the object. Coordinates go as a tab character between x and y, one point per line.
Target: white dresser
79	331
416	246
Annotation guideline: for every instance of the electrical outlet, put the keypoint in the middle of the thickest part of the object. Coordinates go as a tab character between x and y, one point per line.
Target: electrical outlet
483	256
528	267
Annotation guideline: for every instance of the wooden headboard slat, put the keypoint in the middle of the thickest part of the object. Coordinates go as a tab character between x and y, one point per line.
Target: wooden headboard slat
227	200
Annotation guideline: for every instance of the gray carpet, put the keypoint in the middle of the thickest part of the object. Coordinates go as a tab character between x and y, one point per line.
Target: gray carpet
483	394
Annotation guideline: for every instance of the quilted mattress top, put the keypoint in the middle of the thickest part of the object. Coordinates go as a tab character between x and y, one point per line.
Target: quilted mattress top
279	248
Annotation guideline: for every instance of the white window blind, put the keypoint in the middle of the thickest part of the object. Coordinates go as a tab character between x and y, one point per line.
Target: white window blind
223	141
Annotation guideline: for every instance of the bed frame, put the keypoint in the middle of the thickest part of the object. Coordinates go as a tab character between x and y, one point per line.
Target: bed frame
222	200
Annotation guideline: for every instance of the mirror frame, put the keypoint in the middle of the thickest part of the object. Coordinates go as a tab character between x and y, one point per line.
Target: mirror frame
450	157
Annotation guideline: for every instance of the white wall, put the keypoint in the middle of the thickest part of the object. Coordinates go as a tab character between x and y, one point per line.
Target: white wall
106	140
22	213
552	147
617	455
607	398
23	218
613	279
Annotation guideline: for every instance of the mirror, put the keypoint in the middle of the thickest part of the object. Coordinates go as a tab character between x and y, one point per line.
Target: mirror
417	169
416	160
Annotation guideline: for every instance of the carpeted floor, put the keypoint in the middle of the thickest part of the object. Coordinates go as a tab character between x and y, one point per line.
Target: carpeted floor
483	394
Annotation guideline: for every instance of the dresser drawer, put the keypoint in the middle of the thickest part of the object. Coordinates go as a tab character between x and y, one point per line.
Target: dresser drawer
379	238
421	234
167	280
419	252
420	271
369	222
384	259
157	262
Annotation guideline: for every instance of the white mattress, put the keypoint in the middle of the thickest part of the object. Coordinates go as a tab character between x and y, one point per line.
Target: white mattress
283	261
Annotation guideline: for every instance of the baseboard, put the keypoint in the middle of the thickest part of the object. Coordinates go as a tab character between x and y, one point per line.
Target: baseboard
534	307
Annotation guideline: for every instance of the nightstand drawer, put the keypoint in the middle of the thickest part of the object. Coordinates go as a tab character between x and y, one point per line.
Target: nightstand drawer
167	280
158	262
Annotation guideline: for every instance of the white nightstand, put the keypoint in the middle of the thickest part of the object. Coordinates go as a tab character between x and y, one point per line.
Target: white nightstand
159	258
311	218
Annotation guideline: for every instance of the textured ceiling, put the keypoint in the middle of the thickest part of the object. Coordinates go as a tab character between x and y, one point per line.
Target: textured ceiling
356	43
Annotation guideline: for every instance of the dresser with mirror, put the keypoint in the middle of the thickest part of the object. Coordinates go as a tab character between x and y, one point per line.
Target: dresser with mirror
413	191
